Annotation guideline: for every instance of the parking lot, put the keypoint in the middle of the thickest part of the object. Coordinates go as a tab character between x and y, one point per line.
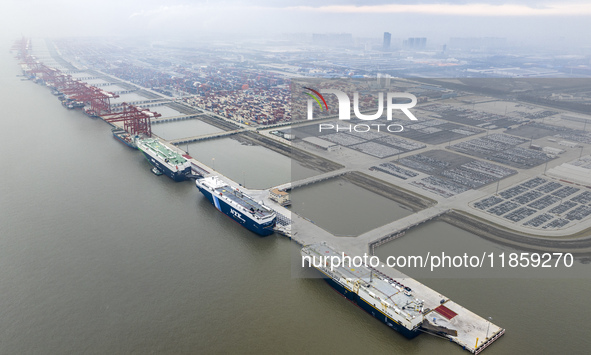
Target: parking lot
395	170
378	144
450	173
503	149
471	117
540	203
437	131
537	130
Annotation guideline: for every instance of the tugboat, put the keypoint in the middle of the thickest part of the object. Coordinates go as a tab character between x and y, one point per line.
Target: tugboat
156	171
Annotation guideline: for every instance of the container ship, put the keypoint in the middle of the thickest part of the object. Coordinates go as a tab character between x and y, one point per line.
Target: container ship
384	298
90	112
124	137
72	104
240	207
169	162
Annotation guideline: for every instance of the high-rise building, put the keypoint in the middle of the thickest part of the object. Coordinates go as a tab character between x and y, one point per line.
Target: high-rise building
422	43
415	43
384	80
387	39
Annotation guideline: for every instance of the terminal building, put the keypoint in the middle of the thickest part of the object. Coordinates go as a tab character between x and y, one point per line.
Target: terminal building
279	196
577	171
322	144
287	134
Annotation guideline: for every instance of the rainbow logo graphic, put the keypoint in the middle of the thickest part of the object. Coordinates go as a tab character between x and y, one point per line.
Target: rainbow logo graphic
316	98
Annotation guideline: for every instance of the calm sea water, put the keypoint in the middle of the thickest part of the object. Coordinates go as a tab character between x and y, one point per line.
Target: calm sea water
99	256
343	208
253	166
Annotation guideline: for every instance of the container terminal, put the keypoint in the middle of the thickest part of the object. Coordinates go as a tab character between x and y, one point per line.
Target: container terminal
431	312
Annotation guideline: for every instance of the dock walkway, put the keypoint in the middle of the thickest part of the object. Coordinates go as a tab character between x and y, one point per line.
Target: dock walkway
206	136
313	179
176	118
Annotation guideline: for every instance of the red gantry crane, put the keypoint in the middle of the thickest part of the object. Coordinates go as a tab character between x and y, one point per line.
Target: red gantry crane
136	120
78	93
98	99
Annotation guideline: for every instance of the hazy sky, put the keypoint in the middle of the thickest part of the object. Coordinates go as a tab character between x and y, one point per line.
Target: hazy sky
525	21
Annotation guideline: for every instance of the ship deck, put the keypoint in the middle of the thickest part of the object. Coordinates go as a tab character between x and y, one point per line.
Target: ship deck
245	201
164	152
387	288
474	333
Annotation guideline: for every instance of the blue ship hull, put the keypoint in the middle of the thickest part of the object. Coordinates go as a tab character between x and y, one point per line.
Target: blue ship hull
180	175
238	217
353	297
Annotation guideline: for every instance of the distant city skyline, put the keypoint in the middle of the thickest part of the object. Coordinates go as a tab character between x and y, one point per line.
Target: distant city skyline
536	23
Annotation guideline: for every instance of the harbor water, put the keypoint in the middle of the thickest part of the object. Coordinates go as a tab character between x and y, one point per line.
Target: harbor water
253	166
100	256
324	203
